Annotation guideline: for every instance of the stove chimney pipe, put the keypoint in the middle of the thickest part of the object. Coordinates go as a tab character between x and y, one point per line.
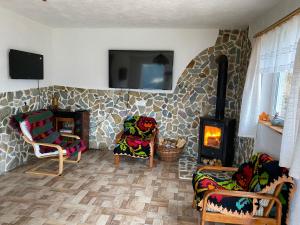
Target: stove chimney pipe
222	86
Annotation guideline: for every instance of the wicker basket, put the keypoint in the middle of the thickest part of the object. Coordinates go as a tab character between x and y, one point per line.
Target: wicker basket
168	153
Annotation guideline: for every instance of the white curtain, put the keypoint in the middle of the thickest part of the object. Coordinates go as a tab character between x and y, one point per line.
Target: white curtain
252	94
290	145
272	53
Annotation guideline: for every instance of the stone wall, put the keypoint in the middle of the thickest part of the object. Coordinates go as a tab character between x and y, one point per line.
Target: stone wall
177	113
13	150
244	148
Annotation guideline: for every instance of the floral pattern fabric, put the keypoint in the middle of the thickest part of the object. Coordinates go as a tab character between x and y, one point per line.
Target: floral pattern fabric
139	126
135	140
203	182
261	175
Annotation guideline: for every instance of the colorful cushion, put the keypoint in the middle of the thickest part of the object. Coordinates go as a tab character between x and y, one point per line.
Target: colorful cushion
139	126
247	171
244	176
133	146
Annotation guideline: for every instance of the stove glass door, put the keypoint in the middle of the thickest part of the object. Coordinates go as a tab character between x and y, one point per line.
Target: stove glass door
212	137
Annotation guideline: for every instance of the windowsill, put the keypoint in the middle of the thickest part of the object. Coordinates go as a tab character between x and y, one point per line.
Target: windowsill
268	124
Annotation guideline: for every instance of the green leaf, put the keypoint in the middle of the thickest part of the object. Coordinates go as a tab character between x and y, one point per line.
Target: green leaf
264	178
131	130
123	147
282	199
140	153
228	184
254	182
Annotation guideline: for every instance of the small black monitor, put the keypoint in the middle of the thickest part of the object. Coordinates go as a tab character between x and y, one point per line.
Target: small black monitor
26	65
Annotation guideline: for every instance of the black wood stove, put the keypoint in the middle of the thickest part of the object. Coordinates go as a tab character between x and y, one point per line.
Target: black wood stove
216	134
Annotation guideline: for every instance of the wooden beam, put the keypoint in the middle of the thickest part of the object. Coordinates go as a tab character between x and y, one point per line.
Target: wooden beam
278	129
221	218
217	168
278	23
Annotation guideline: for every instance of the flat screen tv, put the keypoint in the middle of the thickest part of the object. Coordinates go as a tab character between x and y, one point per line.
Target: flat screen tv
141	69
25	65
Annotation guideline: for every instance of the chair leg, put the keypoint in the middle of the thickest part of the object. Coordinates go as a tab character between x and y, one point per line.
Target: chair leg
203	212
151	161
60	164
278	213
117	160
35	171
202	221
79	156
74	161
151	155
60	168
61	159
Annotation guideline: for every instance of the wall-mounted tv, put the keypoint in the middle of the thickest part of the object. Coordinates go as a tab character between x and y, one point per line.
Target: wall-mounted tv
134	69
25	65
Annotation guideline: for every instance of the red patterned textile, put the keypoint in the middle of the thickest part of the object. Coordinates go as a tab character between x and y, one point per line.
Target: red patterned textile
40	126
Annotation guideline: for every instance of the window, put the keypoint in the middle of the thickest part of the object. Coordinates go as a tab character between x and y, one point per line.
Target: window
268	84
275	91
282	90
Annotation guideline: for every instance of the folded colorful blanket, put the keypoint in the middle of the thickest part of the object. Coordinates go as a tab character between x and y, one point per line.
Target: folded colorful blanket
40	127
135	141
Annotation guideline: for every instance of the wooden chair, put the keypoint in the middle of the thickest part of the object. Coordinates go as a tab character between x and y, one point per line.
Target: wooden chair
61	152
207	216
149	135
260	214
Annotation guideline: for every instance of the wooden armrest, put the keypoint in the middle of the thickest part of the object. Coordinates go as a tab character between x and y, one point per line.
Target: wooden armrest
58	147
48	145
217	168
243	194
154	134
70	135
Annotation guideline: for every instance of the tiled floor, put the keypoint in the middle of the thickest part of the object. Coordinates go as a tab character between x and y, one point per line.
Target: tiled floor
95	192
186	166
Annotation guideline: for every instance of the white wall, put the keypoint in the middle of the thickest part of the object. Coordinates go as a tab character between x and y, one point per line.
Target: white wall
81	55
276	13
268	141
20	33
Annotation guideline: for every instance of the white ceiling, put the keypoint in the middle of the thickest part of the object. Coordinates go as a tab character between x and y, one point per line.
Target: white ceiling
142	13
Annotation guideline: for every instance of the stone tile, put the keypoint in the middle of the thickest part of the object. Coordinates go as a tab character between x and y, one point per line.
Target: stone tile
95	192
